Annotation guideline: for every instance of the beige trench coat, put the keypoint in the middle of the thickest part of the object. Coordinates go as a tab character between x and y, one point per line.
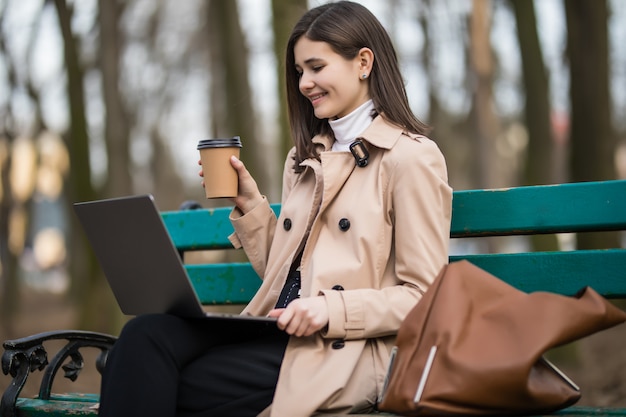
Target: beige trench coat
377	237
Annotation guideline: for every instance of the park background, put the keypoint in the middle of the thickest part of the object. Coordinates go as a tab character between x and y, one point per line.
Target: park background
104	98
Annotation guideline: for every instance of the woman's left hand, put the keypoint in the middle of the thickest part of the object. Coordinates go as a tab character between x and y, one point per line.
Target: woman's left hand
303	316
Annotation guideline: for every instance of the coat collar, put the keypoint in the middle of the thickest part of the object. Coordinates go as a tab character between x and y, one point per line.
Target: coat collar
380	133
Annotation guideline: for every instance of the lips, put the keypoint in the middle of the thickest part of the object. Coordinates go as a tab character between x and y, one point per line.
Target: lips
315	98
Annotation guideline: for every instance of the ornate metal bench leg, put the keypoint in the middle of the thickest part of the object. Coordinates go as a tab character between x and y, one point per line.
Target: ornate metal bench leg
23	356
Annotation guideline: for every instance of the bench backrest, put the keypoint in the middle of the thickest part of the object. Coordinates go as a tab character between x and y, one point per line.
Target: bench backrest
545	209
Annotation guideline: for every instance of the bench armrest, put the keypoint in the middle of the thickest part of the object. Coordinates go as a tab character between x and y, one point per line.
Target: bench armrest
25	355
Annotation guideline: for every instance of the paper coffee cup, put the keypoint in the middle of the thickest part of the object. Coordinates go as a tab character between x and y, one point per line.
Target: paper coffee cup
220	178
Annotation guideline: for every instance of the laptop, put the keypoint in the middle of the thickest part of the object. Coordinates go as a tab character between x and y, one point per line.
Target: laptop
140	261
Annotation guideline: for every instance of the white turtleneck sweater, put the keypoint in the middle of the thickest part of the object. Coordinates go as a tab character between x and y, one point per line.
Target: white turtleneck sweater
348	128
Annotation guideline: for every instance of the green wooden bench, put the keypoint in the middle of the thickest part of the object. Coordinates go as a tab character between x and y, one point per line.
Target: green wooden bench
564	208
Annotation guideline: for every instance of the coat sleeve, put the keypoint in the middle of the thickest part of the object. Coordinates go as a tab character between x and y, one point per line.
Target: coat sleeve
254	231
421	205
421	247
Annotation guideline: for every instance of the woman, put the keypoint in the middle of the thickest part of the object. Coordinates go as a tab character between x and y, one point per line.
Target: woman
363	231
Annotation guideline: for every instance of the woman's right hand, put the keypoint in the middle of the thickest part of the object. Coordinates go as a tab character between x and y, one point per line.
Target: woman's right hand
248	194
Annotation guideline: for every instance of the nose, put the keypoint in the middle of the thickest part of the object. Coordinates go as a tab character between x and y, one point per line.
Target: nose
306	82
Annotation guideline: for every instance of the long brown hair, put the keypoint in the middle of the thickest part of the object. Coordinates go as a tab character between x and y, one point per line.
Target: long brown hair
346	27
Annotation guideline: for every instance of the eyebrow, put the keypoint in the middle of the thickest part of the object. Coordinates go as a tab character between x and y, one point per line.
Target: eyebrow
311	61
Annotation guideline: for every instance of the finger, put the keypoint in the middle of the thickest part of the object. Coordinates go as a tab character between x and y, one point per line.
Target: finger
239	166
276	312
309	331
285	320
296	327
236	162
311	328
304	330
310	325
300	322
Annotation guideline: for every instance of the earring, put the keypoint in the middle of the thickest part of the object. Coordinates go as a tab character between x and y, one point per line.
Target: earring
364	76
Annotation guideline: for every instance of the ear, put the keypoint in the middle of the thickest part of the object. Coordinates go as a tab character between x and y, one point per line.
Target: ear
366	61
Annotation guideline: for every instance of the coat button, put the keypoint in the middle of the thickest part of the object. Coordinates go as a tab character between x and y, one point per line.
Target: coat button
287	224
338	344
344	224
337	288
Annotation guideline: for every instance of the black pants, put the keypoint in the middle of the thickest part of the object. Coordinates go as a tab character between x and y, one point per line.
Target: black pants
164	365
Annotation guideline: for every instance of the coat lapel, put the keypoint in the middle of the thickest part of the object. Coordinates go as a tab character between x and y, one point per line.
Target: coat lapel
336	169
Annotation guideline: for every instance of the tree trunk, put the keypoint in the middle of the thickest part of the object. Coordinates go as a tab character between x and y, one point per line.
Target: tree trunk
444	131
116	126
540	152
285	14
15	204
168	186
9	283
485	122
231	98
593	142
83	266
100	309
539	159
482	113
592	137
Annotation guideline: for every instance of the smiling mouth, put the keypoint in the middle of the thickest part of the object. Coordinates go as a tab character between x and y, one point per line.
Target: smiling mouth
316	97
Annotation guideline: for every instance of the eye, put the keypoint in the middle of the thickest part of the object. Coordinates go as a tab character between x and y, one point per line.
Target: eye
317	68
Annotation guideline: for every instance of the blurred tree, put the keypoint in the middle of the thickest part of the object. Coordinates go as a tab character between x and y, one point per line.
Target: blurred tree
98	309
539	162
285	14
592	136
232	112
444	127
15	198
486	124
83	266
116	123
540	151
434	107
9	288
450	129
592	139
8	260
150	101
168	185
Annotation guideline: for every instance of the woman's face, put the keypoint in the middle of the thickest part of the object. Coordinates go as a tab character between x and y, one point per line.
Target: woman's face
332	83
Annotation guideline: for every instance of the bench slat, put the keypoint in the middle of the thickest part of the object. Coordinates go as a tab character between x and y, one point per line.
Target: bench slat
590	411
224	283
575	207
560	272
59	406
202	228
65	405
199	229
